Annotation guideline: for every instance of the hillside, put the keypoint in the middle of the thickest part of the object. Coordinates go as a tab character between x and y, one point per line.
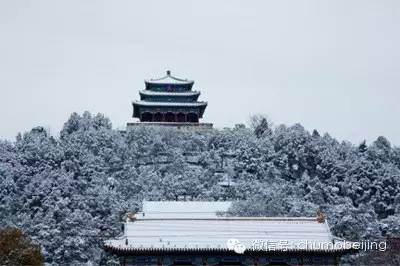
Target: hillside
69	193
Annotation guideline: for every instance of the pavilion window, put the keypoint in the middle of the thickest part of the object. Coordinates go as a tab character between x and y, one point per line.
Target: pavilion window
170	117
158	117
181	117
192	117
147	117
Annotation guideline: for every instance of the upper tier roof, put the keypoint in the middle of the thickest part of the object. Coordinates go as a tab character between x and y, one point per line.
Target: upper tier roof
169	79
183	209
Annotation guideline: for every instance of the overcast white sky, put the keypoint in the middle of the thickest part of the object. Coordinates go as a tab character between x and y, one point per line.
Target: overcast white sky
329	65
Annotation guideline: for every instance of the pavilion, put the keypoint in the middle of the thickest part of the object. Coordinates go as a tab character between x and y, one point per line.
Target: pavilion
169	101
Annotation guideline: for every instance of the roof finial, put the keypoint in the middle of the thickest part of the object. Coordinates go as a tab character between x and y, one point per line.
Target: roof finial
168	72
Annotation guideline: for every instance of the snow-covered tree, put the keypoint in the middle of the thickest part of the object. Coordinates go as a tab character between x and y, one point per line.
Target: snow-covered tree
70	193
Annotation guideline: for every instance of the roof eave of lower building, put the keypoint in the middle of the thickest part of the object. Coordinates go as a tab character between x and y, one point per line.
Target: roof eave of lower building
151	251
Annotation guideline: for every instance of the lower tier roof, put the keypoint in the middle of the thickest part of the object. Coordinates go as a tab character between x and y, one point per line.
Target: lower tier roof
214	233
195	226
178	104
147	106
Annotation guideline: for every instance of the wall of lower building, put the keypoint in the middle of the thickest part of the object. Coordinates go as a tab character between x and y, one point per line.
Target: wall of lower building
230	260
199	126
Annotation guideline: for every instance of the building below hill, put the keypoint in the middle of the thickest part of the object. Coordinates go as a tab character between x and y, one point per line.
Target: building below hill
169	101
199	233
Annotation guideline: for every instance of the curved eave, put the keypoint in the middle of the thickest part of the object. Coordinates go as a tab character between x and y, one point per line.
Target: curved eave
154	250
166	80
169	104
137	104
174	94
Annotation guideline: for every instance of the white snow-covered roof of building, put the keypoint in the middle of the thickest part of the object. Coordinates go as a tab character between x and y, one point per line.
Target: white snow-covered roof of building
162	93
186	234
182	209
185	104
169	79
183	226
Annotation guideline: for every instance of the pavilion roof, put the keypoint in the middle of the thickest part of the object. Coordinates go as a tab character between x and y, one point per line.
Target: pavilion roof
169	79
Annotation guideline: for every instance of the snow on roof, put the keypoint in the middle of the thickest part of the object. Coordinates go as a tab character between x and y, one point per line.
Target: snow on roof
183	209
194	226
186	234
169	79
188	104
158	93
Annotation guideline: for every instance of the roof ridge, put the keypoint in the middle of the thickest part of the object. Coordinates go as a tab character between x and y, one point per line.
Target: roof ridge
168	75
